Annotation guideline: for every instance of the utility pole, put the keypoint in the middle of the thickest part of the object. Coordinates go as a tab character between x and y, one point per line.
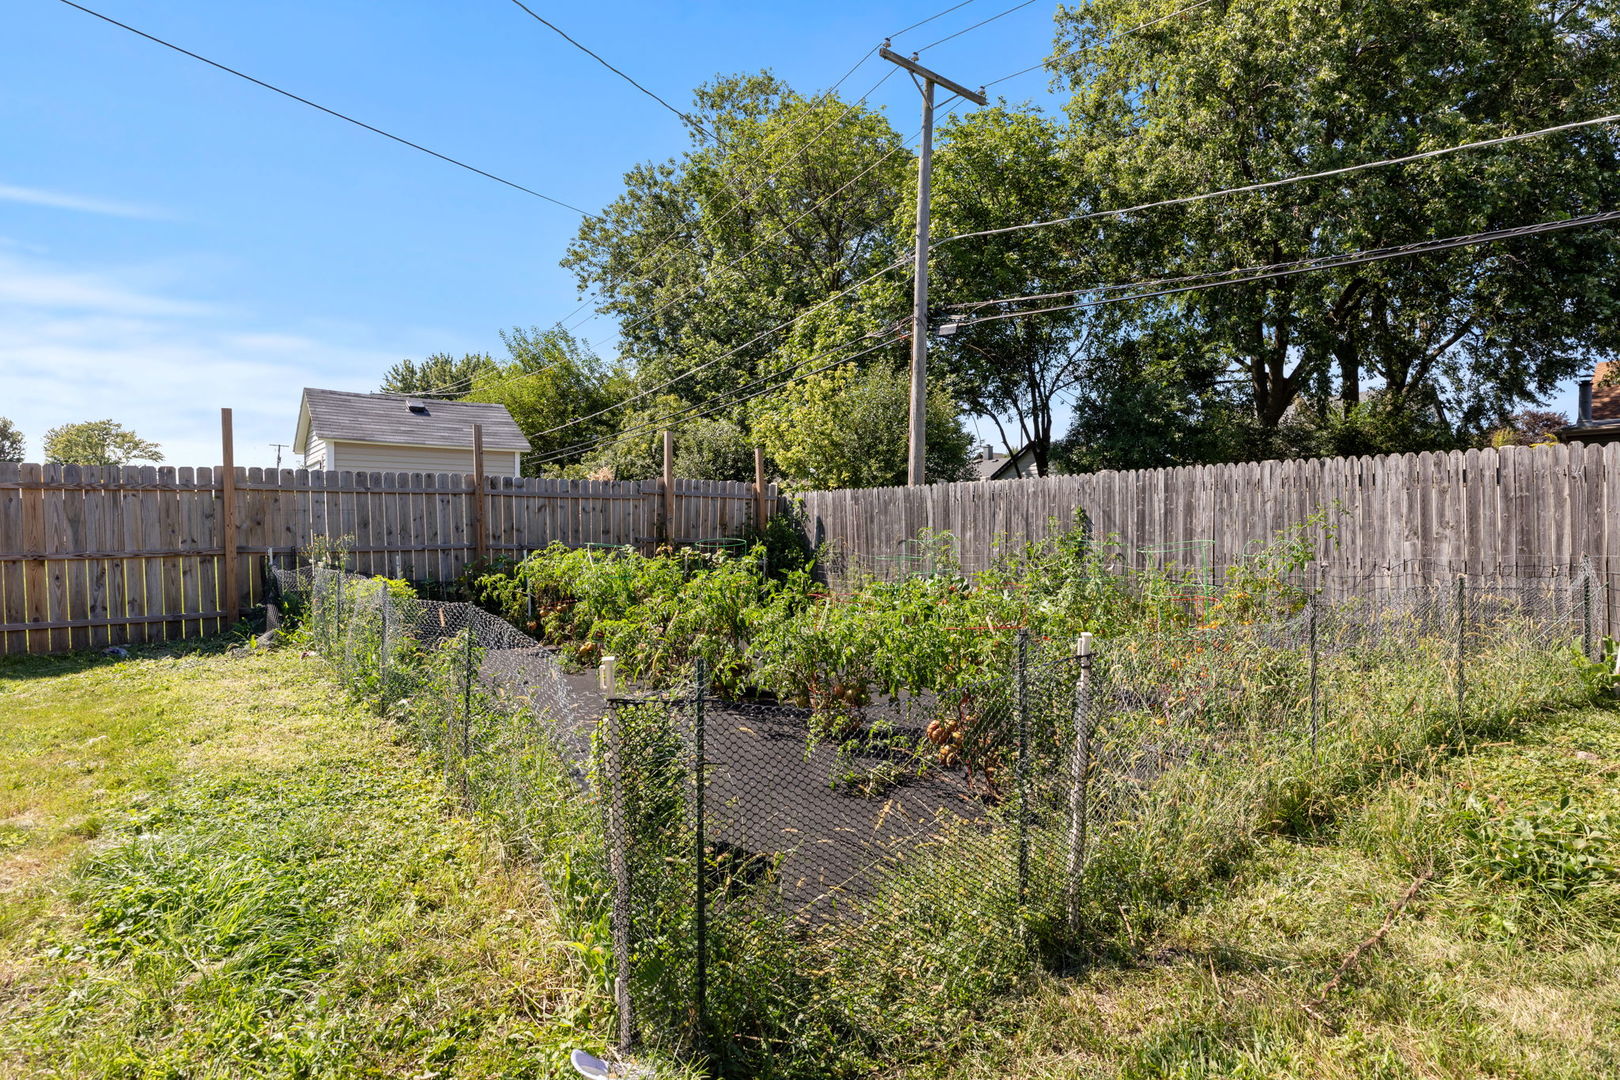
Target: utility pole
280	446
925	80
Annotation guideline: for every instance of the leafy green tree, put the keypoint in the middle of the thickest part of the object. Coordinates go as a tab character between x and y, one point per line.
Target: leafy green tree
552	379
849	428
794	200
1232	94
1151	403
97	442
1529	427
440	375
12	444
713	449
997	168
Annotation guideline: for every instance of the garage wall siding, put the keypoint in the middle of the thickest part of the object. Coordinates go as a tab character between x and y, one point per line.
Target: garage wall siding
378	457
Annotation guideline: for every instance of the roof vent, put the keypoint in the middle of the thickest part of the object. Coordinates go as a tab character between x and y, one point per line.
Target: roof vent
417	407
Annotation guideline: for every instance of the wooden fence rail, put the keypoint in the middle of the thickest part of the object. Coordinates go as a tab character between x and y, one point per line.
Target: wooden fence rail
1417	518
100	556
91	556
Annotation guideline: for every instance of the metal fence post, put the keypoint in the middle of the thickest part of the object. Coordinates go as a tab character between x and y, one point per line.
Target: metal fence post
700	853
1586	613
1462	645
1316	694
466	711
1022	772
382	649
612	748
340	622
1079	779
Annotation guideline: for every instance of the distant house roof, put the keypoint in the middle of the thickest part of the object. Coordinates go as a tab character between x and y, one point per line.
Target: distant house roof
405	421
994	465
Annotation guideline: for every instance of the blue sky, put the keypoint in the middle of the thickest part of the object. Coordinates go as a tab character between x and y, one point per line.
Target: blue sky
173	239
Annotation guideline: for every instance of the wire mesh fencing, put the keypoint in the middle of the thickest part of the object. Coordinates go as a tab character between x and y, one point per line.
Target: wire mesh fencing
875	869
866	870
484	701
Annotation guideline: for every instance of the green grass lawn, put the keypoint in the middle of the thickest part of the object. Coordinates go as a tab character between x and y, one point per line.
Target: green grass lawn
214	866
211	865
1505	964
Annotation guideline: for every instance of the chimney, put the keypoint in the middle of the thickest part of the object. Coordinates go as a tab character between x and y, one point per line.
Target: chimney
987	453
1583	411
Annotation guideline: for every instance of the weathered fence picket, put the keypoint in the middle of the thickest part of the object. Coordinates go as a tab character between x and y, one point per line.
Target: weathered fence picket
94	556
1421	518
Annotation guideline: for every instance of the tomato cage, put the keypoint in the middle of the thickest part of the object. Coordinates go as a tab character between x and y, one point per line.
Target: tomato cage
1181	573
730	546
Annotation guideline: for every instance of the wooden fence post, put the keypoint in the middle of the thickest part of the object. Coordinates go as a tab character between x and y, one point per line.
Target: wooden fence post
232	607
760	514
669	487
480	525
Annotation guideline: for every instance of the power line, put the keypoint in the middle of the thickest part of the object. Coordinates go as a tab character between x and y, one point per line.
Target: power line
1193	282
804	148
721	401
330	112
931	18
766	145
709	274
975	26
1268	184
560	32
728	353
638	264
686	295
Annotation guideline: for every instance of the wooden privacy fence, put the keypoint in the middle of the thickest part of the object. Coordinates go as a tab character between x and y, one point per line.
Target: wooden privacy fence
94	556
1419	518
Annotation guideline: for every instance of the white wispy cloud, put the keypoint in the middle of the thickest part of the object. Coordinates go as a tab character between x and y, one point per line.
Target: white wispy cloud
94	344
60	200
33	284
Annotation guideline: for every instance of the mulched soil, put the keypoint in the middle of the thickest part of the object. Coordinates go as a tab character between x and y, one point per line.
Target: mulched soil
768	797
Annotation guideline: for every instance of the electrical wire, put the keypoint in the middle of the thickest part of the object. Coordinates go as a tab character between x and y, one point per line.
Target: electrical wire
596	293
1269	184
767	144
730	352
975	26
735	397
708	274
330	112
931	18
802	150
1214	279
560	32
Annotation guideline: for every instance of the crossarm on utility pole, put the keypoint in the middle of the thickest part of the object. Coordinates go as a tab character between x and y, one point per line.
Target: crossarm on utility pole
977	97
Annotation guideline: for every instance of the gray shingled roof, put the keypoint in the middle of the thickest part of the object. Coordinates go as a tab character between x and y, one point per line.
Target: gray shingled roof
387	418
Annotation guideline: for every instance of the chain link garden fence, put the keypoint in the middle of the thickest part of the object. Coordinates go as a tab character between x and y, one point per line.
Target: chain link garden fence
874	869
857	870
